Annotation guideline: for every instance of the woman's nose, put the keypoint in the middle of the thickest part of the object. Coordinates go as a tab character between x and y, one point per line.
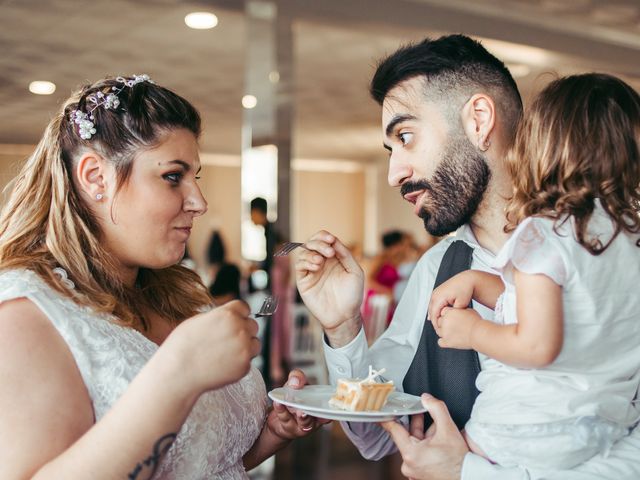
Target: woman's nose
195	202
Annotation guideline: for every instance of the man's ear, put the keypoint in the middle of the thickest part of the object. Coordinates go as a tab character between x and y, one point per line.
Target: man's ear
91	175
478	120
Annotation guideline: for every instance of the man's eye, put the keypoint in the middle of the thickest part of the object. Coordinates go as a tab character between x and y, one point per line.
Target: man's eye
405	137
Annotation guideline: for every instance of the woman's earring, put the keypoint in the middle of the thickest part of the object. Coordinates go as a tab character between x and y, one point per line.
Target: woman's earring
99	196
483	145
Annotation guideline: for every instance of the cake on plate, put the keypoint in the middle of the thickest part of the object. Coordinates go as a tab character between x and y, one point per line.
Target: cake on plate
362	395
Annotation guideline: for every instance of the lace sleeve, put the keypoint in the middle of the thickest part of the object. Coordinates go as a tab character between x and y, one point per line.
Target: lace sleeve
532	249
18	284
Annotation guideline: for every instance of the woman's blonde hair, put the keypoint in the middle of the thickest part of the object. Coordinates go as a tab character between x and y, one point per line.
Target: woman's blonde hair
45	224
578	142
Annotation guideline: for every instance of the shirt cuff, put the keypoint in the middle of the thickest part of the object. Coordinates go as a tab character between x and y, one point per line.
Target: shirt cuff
347	361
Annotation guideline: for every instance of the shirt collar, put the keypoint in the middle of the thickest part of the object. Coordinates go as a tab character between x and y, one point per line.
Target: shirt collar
481	254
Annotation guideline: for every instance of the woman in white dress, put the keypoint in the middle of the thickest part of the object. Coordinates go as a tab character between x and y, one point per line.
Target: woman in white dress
112	363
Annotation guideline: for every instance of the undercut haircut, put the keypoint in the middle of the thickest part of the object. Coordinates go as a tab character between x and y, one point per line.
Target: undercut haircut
454	67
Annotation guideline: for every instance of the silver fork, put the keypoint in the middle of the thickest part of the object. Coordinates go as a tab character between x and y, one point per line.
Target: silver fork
287	248
268	308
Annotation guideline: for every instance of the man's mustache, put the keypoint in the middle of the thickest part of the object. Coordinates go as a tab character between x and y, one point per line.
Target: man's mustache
409	187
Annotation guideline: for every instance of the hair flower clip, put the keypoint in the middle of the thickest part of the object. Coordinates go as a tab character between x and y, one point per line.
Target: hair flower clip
110	101
85	125
134	81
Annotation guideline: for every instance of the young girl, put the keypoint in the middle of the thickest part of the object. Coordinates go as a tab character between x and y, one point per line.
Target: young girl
561	361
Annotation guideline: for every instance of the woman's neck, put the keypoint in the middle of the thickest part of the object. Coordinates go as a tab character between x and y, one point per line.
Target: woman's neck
128	275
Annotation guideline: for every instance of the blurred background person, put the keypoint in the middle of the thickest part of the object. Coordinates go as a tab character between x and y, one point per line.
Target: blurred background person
409	253
216	255
258	212
226	285
383	275
281	321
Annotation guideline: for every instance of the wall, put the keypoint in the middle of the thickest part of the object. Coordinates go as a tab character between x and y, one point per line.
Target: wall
221	187
321	200
333	200
10	164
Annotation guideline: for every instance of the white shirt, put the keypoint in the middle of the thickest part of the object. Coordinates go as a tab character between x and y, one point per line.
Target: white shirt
395	350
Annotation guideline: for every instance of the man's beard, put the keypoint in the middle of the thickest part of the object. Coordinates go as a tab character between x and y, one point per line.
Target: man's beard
455	189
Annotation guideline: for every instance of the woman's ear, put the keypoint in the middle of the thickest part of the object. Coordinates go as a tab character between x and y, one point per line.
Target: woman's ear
91	175
478	120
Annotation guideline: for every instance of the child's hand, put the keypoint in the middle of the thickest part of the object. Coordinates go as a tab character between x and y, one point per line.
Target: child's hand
455	327
456	292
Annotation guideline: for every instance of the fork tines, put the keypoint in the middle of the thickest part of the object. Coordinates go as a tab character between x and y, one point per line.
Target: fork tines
269	307
287	248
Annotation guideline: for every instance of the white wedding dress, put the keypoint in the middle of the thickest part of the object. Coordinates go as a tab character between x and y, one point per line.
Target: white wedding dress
223	424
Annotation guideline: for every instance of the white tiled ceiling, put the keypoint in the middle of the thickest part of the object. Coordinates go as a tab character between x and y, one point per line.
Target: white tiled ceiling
337	43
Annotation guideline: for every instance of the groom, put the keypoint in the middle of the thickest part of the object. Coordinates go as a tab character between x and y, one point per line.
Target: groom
449	115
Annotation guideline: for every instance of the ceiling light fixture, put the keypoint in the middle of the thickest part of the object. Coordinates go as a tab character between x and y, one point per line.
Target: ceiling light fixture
41	87
201	20
274	76
249	101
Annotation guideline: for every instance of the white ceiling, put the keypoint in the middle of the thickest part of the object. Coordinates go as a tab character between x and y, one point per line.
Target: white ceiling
336	45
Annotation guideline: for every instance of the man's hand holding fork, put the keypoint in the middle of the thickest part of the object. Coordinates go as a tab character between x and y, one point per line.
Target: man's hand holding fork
331	284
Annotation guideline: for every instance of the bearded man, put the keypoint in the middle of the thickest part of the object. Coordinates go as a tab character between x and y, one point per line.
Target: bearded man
449	115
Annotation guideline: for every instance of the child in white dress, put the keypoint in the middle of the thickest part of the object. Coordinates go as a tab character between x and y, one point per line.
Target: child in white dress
561	360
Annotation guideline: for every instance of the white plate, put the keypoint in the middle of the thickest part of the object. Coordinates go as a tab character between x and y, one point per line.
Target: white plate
314	401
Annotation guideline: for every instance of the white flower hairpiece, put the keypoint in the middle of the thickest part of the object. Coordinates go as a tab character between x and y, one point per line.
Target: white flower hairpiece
85	120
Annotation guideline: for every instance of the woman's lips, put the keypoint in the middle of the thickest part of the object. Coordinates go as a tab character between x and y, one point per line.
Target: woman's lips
185	230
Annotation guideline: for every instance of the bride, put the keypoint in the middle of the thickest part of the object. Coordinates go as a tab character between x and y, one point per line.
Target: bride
112	363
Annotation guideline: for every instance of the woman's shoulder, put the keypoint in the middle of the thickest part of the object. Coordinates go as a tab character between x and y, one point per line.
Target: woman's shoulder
20	282
48	377
25	283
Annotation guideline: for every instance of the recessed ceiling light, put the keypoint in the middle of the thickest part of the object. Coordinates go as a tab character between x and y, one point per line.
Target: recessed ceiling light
201	20
274	76
41	87
249	101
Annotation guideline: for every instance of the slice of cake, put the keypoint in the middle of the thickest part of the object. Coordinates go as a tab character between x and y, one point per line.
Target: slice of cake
362	395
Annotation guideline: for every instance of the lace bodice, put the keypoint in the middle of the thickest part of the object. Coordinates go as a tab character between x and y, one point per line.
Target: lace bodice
223	424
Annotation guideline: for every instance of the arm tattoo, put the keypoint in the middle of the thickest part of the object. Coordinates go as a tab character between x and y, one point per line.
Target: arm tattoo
148	467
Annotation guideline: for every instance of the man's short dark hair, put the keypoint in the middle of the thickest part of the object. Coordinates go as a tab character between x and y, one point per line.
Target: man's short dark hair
451	65
259	204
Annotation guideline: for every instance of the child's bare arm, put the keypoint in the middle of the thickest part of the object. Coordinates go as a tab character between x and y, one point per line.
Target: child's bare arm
536	340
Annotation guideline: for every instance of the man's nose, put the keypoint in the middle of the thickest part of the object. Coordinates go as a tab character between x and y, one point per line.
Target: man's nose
399	170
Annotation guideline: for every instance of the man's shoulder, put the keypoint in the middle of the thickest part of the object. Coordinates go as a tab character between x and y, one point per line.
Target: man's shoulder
434	254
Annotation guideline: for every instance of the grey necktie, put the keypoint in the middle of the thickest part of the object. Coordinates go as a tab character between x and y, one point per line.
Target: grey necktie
446	373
